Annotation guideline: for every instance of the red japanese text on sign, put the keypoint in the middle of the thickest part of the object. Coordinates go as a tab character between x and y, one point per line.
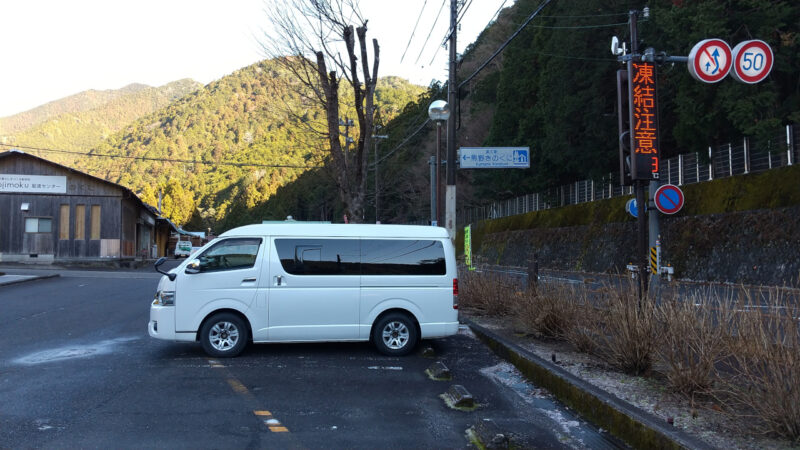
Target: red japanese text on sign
644	115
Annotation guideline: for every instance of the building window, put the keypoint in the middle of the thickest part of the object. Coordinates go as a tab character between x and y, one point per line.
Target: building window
95	233
63	223
38	225
80	222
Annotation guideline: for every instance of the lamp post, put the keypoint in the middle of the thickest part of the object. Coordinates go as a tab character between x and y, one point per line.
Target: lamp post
439	111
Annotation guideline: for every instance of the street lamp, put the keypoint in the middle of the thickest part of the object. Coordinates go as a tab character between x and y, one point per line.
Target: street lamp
439	111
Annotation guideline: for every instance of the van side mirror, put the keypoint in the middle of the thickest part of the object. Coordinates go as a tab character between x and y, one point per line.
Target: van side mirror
193	266
159	262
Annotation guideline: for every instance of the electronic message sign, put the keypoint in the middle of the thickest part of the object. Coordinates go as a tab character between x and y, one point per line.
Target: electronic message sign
643	120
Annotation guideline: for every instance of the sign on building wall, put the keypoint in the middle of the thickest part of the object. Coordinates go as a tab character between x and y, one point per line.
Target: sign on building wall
34	184
643	121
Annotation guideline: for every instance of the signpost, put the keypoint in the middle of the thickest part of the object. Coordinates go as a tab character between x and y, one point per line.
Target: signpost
752	61
494	157
710	60
668	199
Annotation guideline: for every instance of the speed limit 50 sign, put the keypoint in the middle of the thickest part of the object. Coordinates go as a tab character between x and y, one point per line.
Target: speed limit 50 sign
752	61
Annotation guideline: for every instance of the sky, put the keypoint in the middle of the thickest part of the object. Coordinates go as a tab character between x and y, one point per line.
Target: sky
50	49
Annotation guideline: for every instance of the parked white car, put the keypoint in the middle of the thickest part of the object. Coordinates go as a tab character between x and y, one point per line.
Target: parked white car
183	249
389	284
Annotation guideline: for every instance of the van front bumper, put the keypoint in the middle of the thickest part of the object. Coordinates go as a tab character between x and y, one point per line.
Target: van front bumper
162	322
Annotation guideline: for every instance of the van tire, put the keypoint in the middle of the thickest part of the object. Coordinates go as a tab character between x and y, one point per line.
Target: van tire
224	335
395	334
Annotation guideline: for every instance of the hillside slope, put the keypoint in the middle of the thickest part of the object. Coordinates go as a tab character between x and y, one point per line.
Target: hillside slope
226	147
82	121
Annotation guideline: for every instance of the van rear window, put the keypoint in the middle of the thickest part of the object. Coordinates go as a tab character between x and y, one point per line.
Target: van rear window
402	257
361	257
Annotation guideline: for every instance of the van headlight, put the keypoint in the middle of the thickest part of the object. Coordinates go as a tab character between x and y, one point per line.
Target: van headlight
165	298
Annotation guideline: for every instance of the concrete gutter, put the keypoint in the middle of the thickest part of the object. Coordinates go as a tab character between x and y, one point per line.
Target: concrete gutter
6	280
632	425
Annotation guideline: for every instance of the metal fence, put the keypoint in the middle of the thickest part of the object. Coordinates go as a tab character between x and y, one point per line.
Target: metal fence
724	161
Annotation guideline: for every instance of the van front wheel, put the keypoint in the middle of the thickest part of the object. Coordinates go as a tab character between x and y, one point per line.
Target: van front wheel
395	335
224	335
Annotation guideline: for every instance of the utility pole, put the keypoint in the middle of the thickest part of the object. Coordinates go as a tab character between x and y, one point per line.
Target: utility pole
450	193
640	197
376	138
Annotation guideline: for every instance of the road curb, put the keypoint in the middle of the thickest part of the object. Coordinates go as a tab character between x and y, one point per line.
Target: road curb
634	426
25	280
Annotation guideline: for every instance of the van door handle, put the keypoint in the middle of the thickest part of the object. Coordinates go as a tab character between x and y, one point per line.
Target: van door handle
249	280
278	280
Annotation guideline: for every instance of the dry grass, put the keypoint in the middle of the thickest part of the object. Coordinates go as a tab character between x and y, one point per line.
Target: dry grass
763	380
745	355
692	341
626	330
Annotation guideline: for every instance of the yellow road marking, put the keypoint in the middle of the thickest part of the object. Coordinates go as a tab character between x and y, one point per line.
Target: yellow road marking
237	386
279	429
262	413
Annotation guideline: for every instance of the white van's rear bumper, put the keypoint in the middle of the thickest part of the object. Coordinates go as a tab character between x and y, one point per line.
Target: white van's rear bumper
436	330
162	322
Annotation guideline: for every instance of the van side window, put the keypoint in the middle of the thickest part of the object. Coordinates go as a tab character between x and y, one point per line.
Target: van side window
319	256
402	257
230	254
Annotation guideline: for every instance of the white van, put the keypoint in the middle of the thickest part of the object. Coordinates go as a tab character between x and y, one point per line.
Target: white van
295	282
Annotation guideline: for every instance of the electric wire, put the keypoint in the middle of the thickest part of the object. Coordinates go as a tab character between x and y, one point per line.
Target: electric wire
175	160
401	144
413	31
439	14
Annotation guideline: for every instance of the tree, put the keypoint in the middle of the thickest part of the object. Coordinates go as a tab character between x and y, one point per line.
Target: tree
306	39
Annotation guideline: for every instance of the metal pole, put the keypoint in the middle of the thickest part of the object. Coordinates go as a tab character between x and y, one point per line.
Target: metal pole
790	144
438	164
450	212
746	143
653	216
433	190
641	204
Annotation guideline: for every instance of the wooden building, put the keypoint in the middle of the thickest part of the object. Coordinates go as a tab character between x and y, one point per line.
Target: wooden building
50	212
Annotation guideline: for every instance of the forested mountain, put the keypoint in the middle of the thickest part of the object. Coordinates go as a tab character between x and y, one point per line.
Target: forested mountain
81	121
221	150
553	89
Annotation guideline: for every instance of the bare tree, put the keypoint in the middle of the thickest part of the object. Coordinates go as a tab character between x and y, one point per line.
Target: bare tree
307	38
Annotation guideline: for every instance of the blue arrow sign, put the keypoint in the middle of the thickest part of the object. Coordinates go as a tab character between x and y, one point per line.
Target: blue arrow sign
716	61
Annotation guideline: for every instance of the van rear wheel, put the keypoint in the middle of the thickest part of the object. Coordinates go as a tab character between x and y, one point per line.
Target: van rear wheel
224	335
395	335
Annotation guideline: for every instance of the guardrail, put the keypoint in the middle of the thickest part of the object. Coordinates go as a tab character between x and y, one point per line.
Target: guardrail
723	161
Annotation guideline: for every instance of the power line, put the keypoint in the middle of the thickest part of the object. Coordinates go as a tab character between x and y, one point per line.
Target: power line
505	44
439	14
402	143
577	27
414	30
148	158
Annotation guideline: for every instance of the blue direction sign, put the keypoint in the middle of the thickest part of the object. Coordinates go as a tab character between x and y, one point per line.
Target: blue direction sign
494	157
631	208
668	199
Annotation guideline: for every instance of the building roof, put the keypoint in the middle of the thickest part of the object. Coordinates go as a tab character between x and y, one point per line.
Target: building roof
130	193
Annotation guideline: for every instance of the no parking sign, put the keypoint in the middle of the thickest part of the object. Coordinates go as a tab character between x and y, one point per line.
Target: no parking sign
668	199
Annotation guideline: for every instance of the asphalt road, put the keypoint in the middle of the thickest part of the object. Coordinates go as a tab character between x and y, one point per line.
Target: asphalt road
77	369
